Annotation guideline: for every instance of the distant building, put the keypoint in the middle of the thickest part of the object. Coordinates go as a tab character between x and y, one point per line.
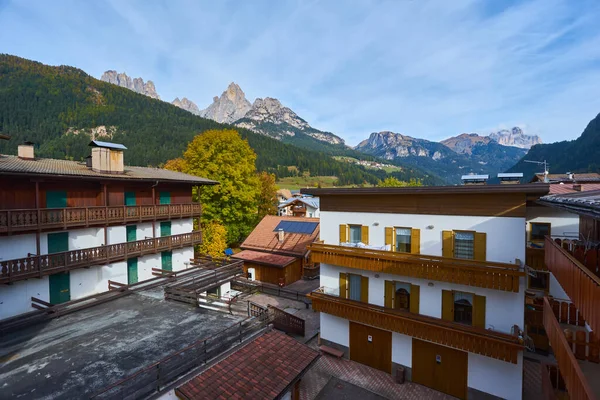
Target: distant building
302	206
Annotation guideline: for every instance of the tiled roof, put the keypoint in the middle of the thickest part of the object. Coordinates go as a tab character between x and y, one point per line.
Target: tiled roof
309	201
284	193
564	188
586	203
263	237
584	177
258	257
263	369
14	165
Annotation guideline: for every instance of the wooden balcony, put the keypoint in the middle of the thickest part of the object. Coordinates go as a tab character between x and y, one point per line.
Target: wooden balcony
15	221
492	275
581	285
38	266
577	385
486	342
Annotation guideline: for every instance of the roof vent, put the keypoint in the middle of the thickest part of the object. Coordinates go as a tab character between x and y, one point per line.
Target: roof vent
577	188
474	179
107	157
281	235
25	151
510	177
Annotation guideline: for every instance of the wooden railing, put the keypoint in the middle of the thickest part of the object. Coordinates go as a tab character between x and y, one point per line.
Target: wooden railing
581	285
575	381
492	275
475	340
13	221
38	266
286	322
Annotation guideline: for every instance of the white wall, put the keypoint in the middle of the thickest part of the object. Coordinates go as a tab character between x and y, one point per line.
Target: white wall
556	290
500	378
505	236
16	298
335	329
78	239
178	226
17	246
116	234
145	265
86	281
144	230
563	223
181	257
402	349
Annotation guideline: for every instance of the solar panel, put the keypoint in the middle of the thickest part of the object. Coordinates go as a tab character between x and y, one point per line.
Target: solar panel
305	228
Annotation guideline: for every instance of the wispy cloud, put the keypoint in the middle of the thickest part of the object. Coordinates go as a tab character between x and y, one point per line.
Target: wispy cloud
429	69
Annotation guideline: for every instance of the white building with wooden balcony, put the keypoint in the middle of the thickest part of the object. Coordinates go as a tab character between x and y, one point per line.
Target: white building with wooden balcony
428	281
67	228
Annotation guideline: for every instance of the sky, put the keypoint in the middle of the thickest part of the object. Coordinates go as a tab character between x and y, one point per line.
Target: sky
427	69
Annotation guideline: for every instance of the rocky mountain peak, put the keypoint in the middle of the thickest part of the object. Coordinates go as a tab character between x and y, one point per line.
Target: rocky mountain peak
137	84
187	105
464	143
390	145
231	106
515	137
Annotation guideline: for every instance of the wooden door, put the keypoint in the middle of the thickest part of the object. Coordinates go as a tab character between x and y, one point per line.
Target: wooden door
131	233
56	199
164	197
58	242
440	368
60	286
165	228
166	258
132	270
371	346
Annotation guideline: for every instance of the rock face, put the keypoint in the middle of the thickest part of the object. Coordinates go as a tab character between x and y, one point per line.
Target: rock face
136	84
231	106
187	105
390	145
464	143
516	138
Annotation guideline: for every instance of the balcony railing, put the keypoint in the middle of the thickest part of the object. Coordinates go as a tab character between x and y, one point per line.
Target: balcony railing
534	258
577	385
581	285
486	342
38	266
13	221
492	275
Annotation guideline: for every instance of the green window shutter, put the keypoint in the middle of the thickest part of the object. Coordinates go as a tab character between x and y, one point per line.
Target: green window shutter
130	199
164	197
132	270
165	228
131	233
56	199
58	242
167	260
390	291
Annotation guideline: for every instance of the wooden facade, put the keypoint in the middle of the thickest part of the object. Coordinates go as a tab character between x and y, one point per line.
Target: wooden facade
275	274
589	228
491	275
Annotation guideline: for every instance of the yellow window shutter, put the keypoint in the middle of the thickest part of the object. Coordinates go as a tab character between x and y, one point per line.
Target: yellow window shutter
447	244
479	311
415	291
343	233
390	291
479	246
343	285
415	241
447	305
364	234
389	237
364	289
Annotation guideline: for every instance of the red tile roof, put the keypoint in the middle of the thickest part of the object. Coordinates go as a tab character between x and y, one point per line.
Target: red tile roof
262	369
258	257
263	237
558	188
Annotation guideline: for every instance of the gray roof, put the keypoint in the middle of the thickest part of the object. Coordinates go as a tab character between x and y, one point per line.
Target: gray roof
13	165
108	145
584	203
510	175
309	201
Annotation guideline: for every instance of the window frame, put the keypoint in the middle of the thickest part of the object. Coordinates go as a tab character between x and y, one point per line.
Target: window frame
349	287
531	224
546	289
454	244
472	303
350	226
396	239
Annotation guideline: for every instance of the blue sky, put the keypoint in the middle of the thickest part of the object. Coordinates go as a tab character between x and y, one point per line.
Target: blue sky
429	69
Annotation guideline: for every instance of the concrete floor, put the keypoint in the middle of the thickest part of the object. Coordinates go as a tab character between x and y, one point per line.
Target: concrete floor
79	354
592	373
342	390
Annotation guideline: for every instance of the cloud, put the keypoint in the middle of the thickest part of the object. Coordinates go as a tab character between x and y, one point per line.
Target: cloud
428	69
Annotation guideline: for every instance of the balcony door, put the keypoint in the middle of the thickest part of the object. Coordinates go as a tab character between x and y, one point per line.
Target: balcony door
59	283
56	199
132	270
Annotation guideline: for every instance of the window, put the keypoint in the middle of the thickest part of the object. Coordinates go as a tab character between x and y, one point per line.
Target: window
216	291
539	230
355	233
402	296
403	239
464	245
354	287
539	282
463	308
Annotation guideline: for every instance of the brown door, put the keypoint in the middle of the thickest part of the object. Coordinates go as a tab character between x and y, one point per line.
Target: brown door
440	368
371	346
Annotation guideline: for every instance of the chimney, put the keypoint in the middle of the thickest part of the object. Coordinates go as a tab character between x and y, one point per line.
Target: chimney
25	151
281	235
508	178
577	187
474	179
107	157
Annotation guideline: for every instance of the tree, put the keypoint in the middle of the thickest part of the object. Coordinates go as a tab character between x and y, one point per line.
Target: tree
267	197
394	182
176	164
214	238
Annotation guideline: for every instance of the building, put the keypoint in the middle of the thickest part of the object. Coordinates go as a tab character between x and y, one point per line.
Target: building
569	177
277	249
429	282
302	206
67	228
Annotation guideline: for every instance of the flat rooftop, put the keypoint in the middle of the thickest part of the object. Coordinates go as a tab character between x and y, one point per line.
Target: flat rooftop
81	353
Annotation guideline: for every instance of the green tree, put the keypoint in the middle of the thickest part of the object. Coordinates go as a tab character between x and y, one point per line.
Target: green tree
214	238
267	197
394	182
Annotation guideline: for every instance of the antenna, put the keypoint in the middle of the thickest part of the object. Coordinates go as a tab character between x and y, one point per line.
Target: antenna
544	163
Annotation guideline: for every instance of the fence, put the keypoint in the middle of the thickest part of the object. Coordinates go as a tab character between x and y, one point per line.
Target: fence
245	285
287	322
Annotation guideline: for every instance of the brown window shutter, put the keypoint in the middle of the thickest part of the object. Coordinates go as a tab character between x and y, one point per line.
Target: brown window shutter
343	285
343	233
415	242
448	244
364	234
415	291
479	246
390	291
364	289
447	305
479	311
389	237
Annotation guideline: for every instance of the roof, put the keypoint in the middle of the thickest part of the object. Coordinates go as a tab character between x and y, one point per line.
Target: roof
108	145
284	193
556	178
583	203
564	188
308	200
13	165
258	257
263	369
474	177
264	238
531	188
510	175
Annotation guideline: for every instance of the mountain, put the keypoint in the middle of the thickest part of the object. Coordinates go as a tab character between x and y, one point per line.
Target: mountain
231	106
136	84
187	105
579	155
60	108
516	138
464	154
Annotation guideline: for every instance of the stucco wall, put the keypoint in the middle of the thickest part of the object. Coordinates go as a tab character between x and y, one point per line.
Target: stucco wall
181	258
500	378
335	329
563	223
16	246
16	298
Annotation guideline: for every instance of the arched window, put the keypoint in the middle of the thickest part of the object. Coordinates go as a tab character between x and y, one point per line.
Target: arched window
402	299
463	308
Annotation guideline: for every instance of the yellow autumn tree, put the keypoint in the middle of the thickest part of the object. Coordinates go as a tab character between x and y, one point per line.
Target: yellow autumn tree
214	239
